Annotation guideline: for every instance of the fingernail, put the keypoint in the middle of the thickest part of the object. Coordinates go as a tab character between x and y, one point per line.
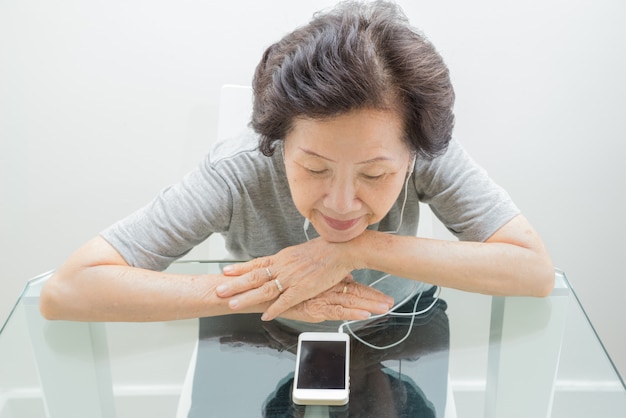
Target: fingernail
364	315
233	303
383	307
227	269
265	317
221	288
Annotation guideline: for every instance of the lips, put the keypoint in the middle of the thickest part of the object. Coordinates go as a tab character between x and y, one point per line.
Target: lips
339	224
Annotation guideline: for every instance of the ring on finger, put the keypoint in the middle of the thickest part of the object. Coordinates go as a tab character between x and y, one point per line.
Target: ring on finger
278	286
345	289
269	273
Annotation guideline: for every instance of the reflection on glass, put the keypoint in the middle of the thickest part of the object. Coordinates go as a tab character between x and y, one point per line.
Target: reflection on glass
383	383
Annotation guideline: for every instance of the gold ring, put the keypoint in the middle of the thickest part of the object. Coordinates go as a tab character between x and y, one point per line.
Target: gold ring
268	272
278	286
345	289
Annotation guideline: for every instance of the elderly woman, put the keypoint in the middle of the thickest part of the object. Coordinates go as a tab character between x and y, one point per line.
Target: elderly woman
352	127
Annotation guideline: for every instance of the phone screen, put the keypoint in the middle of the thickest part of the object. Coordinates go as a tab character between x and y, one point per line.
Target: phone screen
322	365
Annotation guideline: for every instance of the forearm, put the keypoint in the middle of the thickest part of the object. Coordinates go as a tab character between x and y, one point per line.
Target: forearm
96	284
120	293
500	266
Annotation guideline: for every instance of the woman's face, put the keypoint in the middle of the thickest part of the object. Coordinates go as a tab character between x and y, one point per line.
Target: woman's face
346	172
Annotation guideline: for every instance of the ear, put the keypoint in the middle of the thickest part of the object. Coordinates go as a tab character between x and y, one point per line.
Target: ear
409	171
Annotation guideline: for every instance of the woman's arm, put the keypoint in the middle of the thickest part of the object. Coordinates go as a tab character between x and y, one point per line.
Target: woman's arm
513	261
96	284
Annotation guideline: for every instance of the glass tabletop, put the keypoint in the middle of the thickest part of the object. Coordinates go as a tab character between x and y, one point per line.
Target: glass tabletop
470	356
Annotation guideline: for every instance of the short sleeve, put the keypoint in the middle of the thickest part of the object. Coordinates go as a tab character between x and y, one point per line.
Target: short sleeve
462	195
179	218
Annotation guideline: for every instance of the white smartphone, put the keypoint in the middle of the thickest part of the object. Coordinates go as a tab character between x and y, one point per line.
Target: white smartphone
322	369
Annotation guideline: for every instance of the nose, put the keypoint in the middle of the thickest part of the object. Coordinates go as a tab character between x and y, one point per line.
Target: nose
341	197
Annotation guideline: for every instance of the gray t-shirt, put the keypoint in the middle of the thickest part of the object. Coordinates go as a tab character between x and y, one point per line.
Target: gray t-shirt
244	195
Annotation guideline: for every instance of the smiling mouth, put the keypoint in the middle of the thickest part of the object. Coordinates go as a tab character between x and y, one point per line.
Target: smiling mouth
340	225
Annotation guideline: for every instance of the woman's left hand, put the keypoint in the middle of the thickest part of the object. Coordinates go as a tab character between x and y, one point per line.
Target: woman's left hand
291	276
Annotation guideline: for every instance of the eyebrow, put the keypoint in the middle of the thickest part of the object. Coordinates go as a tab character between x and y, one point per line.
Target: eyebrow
370	161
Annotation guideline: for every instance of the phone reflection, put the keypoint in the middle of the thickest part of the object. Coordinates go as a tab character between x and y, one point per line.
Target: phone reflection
408	379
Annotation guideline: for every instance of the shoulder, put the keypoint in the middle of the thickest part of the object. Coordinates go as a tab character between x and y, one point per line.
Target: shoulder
454	152
241	165
244	145
451	166
466	199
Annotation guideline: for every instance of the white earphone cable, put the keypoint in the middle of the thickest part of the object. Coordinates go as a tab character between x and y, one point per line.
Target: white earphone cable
412	294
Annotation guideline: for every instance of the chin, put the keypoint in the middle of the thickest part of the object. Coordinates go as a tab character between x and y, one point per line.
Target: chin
333	235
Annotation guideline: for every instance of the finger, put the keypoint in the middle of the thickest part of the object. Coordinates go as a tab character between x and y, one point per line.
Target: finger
284	302
324	312
252	280
318	310
238	269
347	294
293	295
353	301
341	313
364	292
266	292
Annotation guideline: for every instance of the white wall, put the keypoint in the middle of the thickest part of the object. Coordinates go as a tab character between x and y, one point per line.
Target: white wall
102	103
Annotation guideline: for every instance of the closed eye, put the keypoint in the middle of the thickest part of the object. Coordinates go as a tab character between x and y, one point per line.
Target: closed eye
373	177
316	172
